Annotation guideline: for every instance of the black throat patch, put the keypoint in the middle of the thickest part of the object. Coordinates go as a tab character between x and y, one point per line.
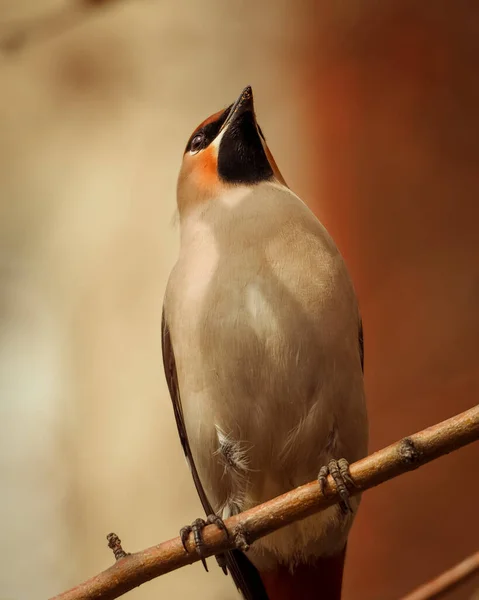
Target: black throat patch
241	156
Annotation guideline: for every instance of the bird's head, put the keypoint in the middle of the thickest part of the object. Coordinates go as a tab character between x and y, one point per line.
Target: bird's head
227	149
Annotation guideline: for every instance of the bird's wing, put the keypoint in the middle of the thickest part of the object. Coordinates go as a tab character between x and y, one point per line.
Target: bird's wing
244	574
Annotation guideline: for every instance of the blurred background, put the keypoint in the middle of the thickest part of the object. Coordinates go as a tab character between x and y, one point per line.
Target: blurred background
372	112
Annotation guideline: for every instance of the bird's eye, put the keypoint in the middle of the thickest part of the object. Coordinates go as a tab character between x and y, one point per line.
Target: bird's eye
197	143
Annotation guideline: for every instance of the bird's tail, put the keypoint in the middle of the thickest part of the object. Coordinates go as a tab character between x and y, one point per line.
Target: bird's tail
318	580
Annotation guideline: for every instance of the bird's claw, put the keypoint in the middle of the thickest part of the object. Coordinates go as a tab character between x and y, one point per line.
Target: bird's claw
197	529
221	560
339	471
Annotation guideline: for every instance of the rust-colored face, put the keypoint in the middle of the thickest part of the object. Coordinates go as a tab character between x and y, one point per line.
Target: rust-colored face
228	148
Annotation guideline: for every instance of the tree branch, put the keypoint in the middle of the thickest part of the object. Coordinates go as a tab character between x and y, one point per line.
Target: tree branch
447	581
405	455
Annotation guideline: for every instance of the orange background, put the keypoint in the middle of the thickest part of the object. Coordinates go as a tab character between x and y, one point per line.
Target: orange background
395	120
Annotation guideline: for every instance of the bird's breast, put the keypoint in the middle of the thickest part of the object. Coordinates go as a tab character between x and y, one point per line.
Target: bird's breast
251	336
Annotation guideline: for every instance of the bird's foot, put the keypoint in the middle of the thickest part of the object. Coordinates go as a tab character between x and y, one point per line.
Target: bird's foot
197	529
339	471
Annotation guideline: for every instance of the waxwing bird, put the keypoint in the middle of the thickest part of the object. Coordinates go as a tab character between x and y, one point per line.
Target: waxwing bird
263	353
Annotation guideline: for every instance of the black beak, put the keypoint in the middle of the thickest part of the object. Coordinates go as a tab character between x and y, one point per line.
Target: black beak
241	155
243	104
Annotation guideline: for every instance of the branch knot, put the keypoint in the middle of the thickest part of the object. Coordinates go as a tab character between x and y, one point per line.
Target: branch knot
114	543
409	453
240	537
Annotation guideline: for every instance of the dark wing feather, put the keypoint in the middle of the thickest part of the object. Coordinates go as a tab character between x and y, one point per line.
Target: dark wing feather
244	574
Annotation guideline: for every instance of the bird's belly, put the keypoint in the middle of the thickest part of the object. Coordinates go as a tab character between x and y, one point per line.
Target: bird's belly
259	419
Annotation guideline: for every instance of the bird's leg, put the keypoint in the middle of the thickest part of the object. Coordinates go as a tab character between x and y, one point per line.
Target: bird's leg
339	471
197	529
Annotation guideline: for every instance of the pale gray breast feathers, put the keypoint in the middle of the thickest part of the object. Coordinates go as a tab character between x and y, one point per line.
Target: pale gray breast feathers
264	326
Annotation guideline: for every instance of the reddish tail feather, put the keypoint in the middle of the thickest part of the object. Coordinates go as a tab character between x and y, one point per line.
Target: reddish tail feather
320	580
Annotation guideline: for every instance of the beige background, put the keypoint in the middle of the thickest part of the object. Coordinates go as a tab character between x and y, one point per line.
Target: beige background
93	123
371	114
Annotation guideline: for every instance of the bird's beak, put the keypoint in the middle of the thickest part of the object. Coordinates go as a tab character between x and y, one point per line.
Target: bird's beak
243	104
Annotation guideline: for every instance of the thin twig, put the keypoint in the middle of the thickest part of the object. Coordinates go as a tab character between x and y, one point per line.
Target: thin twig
447	581
405	455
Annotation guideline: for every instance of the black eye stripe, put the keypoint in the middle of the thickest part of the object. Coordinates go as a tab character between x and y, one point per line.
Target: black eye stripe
210	131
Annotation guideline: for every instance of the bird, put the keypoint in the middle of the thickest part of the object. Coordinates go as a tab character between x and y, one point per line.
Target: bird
263	353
